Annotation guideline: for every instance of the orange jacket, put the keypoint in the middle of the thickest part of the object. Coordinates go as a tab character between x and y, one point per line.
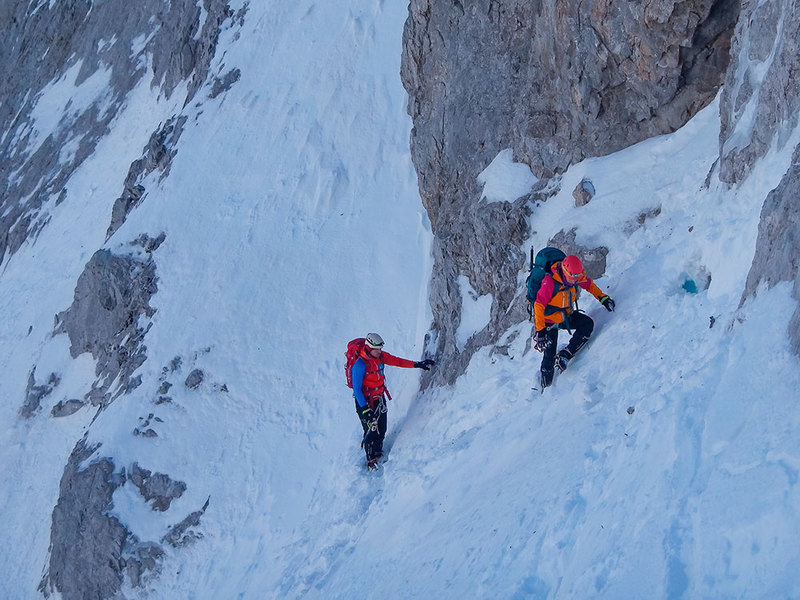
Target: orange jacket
557	299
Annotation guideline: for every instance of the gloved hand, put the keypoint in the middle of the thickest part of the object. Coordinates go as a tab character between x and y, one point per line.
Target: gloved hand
366	414
425	365
608	303
542	340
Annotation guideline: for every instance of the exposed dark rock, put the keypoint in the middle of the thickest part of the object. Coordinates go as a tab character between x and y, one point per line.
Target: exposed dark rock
91	551
149	244
225	83
766	54
158	155
174	365
142	559
156	488
766	49
67	408
147	433
41	42
106	319
34	394
483	245
85	542
555	82
194	379
182	534
777	256
97	396
583	193
593	259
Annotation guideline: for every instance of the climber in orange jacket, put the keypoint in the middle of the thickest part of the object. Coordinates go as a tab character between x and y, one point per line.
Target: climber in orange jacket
556	307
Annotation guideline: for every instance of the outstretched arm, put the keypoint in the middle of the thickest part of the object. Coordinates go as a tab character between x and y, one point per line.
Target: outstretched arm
394	361
601	296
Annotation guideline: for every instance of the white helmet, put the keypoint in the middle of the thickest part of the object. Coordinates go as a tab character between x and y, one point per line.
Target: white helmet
373	340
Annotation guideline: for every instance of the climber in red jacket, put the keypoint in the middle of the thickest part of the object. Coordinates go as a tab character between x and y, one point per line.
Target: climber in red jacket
369	389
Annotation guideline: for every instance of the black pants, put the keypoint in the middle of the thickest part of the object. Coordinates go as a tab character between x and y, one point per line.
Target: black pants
375	431
582	325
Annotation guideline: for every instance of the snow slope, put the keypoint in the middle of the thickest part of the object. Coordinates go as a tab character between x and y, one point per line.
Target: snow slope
662	464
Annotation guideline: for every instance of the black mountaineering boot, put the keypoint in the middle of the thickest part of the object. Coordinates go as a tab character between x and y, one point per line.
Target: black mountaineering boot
562	359
545	379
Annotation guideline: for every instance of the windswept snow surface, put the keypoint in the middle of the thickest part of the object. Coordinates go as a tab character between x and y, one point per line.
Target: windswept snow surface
662	464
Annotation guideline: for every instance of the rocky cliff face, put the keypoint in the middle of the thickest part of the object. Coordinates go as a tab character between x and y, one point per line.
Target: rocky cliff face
46	45
759	108
557	82
778	245
91	55
761	97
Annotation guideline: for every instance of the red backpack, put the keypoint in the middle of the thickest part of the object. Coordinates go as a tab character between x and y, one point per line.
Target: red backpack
353	353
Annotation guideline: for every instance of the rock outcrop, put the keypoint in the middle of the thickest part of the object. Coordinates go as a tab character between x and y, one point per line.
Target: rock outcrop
91	551
158	155
777	255
109	317
760	111
760	101
66	72
556	82
36	392
86	544
106	46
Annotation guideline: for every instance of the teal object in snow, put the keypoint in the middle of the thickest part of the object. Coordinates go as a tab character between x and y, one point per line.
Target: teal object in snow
690	286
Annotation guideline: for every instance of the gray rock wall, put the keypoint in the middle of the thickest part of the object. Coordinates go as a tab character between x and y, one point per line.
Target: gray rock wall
158	155
170	45
86	549
760	102
777	257
557	82
759	109
40	42
91	551
109	318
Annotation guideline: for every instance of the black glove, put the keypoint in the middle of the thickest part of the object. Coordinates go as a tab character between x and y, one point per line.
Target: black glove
425	365
542	340
608	303
366	414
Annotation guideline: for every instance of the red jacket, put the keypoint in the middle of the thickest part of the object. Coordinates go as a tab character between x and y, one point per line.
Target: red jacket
369	382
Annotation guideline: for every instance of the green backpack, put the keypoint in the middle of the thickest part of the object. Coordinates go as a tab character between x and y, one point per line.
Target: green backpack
540	266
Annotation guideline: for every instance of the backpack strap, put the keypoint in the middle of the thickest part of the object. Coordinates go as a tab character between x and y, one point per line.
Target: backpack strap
559	287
